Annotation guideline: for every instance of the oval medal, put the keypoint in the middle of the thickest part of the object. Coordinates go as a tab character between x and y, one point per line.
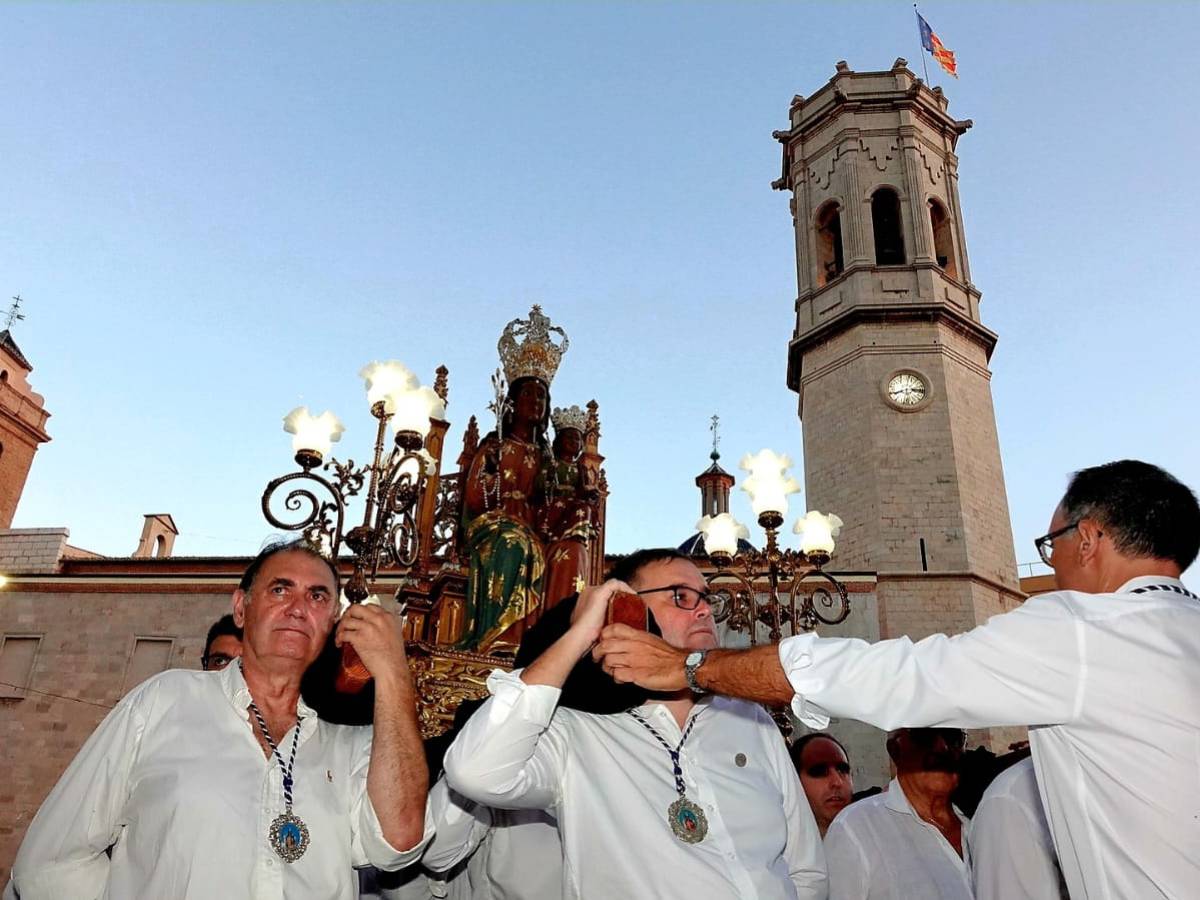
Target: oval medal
289	837
687	821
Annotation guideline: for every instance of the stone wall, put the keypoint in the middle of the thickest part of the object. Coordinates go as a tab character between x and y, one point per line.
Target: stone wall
87	641
32	550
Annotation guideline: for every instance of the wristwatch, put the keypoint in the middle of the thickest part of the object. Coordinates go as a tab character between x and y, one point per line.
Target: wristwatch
691	665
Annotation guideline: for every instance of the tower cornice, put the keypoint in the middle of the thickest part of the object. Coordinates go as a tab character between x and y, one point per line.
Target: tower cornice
855	95
890	313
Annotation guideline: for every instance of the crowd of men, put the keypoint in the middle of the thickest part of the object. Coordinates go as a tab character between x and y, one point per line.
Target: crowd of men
614	762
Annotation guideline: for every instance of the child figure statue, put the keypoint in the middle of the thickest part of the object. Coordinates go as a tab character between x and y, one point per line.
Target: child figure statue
566	520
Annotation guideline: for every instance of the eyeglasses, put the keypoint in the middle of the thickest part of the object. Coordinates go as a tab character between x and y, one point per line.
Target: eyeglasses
821	770
1045	544
685	597
215	662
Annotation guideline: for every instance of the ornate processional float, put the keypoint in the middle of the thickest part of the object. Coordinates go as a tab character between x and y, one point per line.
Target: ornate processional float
482	550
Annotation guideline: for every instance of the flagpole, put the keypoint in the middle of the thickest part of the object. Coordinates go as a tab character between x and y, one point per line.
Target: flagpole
924	64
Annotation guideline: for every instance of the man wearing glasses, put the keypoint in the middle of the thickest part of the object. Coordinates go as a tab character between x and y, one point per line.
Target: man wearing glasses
1105	671
223	645
824	770
682	796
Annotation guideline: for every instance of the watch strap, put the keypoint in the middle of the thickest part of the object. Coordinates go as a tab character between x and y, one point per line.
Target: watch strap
690	669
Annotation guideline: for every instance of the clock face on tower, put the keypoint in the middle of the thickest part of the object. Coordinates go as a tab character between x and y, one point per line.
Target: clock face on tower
907	390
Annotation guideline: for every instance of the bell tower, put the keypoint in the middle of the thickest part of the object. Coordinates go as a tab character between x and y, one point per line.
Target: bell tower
890	357
22	423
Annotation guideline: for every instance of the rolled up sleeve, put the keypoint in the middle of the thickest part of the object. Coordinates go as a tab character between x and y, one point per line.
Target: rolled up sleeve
368	845
507	755
461	826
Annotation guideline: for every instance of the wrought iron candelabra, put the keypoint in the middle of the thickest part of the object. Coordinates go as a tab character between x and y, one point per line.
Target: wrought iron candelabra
394	480
738	581
388	532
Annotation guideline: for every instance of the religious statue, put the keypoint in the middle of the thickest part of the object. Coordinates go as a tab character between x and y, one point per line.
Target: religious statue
506	556
566	519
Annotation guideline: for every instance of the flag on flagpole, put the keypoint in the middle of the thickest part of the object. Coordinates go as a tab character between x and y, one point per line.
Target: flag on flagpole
937	50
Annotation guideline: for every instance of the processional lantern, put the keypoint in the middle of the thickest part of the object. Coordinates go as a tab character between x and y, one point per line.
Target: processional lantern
393	482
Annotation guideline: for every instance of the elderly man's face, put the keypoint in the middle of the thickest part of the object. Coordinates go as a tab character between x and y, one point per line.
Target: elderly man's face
927	750
692	629
289	610
825	776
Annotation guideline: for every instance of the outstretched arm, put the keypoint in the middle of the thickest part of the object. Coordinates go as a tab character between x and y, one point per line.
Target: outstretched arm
1021	668
629	655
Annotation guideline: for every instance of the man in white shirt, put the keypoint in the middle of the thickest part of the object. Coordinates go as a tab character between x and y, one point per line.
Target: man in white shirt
824	770
1105	671
509	854
225	784
908	841
1012	853
676	797
486	853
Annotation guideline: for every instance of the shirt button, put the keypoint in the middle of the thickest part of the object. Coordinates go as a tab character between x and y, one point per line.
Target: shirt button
270	862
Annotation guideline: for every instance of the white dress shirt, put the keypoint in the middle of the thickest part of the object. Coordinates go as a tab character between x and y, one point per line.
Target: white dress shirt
176	782
1013	855
609	783
514	854
879	848
1110	687
478	853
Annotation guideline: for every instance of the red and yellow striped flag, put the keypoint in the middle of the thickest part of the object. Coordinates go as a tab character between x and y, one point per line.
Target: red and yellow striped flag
936	48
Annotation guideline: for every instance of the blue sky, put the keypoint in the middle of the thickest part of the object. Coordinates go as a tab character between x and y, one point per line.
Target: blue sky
218	211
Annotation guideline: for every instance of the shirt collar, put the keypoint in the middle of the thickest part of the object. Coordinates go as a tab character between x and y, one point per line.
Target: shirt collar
699	703
655	708
895	800
233	684
1147	581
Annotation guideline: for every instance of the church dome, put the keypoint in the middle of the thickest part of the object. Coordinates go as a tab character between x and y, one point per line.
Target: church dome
694	546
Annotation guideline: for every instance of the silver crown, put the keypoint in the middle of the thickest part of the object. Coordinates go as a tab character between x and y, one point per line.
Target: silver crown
571	417
537	356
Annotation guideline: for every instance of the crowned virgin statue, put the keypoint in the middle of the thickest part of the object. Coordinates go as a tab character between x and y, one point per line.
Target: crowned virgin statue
507	557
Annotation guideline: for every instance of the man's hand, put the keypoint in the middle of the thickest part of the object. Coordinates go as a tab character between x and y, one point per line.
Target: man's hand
631	655
553	666
376	636
591	608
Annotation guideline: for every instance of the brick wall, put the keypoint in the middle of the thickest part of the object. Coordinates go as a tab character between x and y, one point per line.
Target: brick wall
22	430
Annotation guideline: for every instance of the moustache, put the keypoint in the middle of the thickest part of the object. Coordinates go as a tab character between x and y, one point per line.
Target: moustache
940	762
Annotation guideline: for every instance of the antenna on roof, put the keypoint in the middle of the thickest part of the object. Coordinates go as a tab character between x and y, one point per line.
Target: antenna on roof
14	314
